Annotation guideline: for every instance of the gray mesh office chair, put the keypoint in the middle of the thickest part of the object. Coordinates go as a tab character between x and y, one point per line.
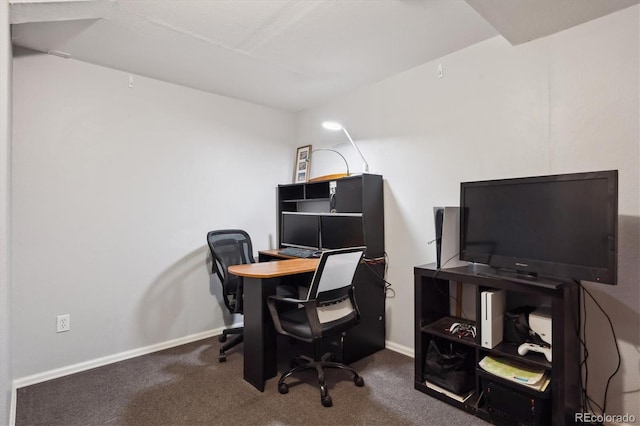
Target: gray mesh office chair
330	308
230	247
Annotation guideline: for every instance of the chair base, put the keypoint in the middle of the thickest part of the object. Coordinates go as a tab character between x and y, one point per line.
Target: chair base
302	362
237	339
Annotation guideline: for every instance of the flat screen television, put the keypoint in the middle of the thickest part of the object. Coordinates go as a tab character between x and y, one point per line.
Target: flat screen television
562	226
341	230
300	230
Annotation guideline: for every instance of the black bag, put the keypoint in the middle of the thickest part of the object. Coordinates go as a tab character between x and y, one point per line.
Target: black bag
516	325
448	369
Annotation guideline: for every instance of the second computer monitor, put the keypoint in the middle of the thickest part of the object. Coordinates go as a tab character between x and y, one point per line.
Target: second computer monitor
341	230
299	230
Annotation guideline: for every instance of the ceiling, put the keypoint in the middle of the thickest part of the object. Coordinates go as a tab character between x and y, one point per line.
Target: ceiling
288	54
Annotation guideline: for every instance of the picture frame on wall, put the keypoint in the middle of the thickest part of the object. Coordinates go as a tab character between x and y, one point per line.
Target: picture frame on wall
302	164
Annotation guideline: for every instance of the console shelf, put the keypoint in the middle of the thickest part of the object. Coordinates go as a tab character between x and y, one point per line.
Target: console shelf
433	318
439	328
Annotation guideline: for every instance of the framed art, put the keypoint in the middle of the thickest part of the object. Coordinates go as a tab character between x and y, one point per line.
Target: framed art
302	164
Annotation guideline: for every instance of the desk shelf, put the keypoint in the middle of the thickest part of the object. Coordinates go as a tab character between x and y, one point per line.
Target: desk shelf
361	194
304	191
438	328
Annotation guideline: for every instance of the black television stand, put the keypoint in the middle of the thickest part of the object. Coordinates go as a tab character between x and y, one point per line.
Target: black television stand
432	316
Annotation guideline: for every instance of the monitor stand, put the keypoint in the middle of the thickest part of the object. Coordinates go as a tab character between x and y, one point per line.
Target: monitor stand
525	278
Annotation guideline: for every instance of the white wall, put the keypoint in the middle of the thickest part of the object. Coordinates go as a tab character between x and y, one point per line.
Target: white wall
5	199
114	191
564	103
114	187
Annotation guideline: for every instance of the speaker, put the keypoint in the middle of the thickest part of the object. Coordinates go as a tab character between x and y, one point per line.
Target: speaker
447	223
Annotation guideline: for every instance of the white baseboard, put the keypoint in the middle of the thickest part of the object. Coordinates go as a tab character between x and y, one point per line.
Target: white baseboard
110	359
12	408
99	362
405	350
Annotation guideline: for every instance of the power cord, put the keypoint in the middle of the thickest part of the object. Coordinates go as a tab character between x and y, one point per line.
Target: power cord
586	399
584	402
387	285
442	265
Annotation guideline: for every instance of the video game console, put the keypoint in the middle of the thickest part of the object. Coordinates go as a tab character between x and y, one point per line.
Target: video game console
540	333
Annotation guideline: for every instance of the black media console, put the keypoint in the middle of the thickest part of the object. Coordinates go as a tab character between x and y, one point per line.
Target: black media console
432	316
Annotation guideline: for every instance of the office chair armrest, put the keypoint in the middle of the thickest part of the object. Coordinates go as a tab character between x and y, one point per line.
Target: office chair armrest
284	299
310	307
272	302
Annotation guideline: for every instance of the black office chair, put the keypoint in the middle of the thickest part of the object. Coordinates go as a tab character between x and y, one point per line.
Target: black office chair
230	247
329	309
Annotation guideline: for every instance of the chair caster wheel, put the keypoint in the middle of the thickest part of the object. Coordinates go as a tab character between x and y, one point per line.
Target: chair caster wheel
222	358
283	388
324	396
359	381
222	338
326	401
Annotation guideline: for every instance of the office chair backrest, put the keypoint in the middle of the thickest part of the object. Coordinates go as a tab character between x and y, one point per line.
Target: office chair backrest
229	247
332	283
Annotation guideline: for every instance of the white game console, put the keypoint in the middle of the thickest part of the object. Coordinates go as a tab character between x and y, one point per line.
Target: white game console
492	323
540	324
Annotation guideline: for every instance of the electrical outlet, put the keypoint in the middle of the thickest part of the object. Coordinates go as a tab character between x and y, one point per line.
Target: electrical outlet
63	323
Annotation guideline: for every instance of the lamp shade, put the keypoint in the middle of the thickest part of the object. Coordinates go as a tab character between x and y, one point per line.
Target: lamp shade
332	125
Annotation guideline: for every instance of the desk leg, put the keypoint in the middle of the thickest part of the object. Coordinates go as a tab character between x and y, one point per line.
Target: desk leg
259	334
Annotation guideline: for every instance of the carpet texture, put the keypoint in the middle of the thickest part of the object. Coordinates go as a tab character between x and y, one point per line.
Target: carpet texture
186	385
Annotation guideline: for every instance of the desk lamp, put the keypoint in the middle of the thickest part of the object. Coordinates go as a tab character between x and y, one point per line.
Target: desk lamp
332	125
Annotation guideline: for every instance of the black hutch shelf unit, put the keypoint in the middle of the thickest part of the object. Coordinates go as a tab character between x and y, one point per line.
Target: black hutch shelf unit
432	316
353	194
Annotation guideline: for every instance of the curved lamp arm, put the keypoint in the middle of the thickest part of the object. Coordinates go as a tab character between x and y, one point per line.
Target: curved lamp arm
332	125
333	150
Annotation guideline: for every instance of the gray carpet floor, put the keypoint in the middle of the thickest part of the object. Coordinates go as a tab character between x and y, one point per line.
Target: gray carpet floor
186	385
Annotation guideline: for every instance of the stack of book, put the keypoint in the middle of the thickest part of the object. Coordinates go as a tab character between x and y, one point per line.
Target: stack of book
536	378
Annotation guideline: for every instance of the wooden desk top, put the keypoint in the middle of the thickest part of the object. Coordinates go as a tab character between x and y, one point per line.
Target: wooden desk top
274	253
274	269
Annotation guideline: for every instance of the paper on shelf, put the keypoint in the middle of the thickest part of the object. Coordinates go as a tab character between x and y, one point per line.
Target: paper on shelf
461	398
518	372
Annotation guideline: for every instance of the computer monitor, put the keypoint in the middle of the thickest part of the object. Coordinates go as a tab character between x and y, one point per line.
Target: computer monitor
341	230
300	230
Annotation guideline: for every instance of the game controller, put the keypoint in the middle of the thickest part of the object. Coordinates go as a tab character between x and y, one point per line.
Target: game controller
524	348
462	330
453	328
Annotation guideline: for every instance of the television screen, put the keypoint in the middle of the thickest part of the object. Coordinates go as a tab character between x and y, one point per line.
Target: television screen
341	230
300	230
561	225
